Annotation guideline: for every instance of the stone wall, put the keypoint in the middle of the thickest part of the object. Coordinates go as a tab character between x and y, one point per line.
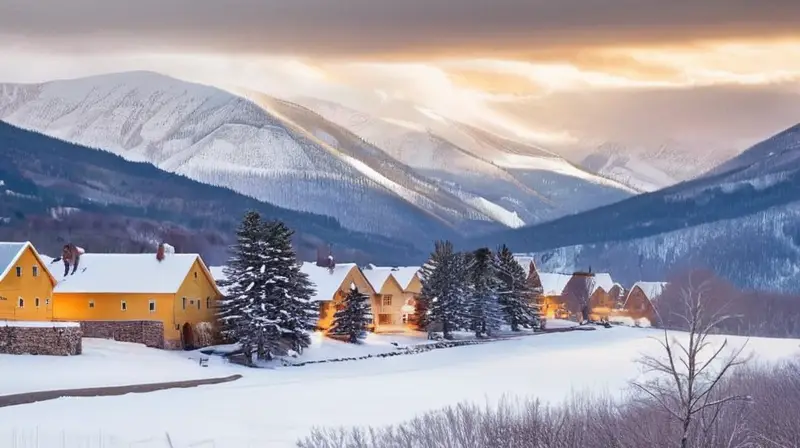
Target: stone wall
40	338
147	332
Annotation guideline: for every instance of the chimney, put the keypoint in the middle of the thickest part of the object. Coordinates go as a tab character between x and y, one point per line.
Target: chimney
160	252
331	260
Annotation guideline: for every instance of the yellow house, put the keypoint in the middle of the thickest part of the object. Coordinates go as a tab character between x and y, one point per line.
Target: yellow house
26	286
177	291
332	285
393	305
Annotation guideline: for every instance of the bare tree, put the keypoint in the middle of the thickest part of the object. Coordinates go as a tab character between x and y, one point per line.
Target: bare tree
688	377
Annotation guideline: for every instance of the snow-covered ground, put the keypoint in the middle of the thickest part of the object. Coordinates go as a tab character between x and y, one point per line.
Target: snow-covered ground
273	407
103	363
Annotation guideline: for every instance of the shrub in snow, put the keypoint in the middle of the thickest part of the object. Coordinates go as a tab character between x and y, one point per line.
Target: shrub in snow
203	334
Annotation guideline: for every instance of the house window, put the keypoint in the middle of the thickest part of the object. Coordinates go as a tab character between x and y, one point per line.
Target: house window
91	304
36	271
36	302
124	305
198	304
208	302
195	274
384	319
151	306
387	300
19	271
405	319
21	302
47	302
184	303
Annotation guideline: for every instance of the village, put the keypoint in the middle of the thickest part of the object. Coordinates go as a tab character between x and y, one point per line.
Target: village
168	300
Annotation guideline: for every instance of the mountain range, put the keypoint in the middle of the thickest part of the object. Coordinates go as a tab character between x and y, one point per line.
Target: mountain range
53	192
161	156
298	158
740	219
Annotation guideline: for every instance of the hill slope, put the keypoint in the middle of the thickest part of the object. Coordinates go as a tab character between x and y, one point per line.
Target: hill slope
53	191
221	139
742	223
530	182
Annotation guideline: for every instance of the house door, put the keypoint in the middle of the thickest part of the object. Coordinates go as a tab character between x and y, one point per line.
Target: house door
187	335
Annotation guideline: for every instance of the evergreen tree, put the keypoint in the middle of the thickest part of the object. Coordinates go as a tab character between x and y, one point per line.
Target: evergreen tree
353	316
286	313
238	309
443	285
515	293
486	316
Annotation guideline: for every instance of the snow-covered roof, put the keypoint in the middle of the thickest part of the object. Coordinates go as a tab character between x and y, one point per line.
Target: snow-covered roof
218	274
128	273
524	261
651	290
553	284
604	280
327	281
377	277
10	252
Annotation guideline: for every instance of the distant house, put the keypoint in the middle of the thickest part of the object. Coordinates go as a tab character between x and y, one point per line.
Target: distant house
332	283
394	302
641	299
605	296
109	292
26	285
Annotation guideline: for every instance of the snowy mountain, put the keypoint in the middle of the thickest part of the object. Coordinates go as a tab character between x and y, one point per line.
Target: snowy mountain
499	176
221	139
743	223
651	168
52	191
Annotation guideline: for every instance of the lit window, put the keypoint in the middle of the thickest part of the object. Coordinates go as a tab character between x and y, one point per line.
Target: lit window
36	271
387	300
151	306
124	305
21	302
91	304
19	271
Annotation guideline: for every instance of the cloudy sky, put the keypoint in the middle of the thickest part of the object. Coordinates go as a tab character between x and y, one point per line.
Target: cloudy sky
563	72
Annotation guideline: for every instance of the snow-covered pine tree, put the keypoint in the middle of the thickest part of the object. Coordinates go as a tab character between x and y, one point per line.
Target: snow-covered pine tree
242	274
353	316
289	313
440	304
486	316
514	292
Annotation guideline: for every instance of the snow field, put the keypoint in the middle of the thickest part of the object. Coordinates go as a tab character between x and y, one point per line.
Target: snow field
274	407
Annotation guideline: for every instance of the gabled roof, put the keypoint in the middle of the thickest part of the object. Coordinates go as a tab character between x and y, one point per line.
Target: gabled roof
553	284
11	252
377	277
327	281
524	261
130	274
651	290
603	280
